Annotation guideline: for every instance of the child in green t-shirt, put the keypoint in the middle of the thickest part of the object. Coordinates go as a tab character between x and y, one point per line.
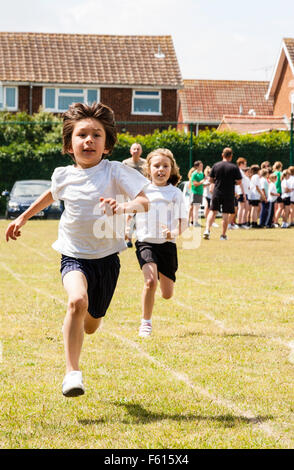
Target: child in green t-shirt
197	180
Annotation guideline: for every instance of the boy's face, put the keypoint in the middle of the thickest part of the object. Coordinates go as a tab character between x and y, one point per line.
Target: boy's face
88	142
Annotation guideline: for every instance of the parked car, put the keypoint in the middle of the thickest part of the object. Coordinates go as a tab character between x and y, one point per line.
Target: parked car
184	186
25	192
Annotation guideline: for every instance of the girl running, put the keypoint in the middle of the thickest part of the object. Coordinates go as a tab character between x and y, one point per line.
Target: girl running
157	231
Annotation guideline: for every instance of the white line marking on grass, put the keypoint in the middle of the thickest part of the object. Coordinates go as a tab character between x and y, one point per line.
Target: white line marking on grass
199	281
32	249
254	420
19	279
218	323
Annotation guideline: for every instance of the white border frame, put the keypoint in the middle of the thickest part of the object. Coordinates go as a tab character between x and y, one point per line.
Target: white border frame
136	113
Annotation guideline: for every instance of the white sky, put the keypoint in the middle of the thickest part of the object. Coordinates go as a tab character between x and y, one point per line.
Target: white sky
213	39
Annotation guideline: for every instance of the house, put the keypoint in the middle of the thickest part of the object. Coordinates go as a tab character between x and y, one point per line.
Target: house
203	103
281	86
137	76
253	124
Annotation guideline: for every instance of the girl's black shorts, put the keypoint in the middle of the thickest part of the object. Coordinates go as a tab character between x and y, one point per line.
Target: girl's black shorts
101	275
164	255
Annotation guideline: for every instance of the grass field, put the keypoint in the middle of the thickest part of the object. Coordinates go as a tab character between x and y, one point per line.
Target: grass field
217	372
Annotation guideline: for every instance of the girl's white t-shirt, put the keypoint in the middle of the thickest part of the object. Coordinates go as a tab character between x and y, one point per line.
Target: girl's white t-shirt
286	184
167	206
272	189
206	192
254	194
84	230
291	179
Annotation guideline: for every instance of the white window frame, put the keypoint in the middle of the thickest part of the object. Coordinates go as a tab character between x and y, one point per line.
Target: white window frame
5	107
146	113
67	87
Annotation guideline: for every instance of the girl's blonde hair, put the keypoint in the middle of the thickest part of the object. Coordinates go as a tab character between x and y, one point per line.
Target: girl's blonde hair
175	176
284	174
207	170
278	166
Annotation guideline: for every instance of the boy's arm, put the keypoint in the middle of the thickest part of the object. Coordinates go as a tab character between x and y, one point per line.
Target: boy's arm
139	204
43	201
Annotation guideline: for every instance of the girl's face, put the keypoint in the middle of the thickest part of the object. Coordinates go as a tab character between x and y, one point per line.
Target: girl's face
160	170
88	142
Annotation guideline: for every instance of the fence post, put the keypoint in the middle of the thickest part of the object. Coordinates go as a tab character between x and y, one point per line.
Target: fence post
191	146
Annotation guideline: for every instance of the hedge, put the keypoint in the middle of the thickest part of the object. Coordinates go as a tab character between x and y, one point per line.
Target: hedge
30	147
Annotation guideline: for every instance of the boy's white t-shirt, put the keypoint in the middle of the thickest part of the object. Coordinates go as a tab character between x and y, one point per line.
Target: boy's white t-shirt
254	194
167	206
206	192
84	230
264	185
285	184
272	189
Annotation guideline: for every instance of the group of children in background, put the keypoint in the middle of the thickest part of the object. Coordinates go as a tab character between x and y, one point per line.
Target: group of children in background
265	195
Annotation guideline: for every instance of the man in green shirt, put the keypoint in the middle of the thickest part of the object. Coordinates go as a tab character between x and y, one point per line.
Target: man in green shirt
197	180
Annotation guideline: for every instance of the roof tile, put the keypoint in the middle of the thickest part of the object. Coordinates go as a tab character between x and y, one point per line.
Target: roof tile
97	59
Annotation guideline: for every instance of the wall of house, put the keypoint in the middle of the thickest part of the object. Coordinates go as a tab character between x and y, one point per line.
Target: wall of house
120	100
282	105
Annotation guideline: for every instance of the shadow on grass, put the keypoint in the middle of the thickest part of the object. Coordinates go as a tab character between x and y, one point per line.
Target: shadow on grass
141	415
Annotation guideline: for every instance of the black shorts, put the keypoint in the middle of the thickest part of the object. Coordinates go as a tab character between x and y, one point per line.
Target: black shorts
241	198
222	204
254	202
279	199
208	200
101	275
286	201
197	198
164	255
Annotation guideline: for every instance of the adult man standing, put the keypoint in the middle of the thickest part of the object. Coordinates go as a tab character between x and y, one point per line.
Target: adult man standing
136	162
224	175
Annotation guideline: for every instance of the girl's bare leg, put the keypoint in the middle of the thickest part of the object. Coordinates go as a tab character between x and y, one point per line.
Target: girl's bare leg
150	284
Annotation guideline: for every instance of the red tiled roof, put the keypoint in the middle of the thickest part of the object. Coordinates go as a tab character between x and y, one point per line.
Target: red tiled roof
289	42
252	124
88	58
206	101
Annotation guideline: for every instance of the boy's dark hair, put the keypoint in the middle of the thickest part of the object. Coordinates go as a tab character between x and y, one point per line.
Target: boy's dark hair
227	152
78	111
254	169
197	163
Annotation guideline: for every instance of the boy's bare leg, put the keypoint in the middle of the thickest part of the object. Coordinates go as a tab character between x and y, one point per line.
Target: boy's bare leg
75	284
150	283
166	286
91	324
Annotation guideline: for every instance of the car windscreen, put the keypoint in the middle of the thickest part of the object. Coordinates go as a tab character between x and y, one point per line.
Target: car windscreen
29	189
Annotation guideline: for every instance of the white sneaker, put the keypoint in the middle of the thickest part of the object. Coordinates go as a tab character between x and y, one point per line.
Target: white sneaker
206	235
223	237
230	227
245	226
215	225
145	330
72	385
284	225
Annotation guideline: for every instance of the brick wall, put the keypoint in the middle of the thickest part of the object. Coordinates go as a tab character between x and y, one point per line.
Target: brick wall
285	86
24	98
120	100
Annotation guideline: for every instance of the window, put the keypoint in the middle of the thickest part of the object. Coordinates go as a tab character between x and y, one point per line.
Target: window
59	99
8	98
146	102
